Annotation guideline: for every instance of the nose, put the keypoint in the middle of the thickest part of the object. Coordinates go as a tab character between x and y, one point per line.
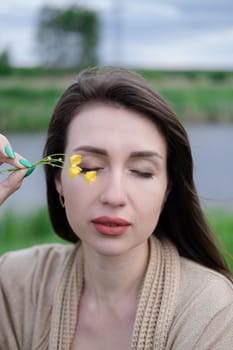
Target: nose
114	191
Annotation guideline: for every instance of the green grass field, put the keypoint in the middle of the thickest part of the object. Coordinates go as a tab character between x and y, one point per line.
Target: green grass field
21	231
27	100
221	223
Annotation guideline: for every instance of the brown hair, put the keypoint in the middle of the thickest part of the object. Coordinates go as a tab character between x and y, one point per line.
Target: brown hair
182	219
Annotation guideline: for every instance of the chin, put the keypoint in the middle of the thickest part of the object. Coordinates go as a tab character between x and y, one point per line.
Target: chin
112	247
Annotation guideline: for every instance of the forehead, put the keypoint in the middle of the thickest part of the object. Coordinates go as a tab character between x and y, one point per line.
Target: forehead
105	125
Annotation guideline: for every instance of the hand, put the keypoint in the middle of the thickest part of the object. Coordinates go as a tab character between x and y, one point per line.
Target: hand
12	182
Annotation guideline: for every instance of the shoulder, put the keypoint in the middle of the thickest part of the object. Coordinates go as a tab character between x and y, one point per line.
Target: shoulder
34	255
201	284
28	284
33	264
204	308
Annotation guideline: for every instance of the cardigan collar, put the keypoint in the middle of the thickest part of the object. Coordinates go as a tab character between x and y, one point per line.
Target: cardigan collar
156	306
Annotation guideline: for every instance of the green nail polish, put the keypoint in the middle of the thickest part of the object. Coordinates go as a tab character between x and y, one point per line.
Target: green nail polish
30	170
9	152
25	163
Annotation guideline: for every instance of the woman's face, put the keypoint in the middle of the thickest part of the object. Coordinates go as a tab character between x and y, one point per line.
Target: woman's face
120	210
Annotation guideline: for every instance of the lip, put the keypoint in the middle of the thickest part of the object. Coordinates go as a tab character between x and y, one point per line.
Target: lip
110	226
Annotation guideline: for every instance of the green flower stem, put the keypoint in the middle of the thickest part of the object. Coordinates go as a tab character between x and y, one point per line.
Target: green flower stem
9	170
49	160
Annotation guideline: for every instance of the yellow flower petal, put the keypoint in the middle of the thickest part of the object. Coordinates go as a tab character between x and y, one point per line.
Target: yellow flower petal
75	159
90	176
74	171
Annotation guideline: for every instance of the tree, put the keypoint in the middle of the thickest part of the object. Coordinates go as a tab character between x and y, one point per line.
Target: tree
67	37
5	66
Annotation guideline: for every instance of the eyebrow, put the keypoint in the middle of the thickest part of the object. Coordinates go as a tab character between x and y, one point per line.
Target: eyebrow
103	152
145	154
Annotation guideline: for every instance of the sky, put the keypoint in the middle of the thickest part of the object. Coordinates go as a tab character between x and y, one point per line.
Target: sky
165	34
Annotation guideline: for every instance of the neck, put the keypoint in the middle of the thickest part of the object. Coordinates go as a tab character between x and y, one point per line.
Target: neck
109	279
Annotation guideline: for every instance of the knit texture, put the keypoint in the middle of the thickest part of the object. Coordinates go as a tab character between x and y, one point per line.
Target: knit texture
158	299
156	307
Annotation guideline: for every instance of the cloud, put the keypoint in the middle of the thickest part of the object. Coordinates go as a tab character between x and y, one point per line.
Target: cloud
141	11
207	50
168	33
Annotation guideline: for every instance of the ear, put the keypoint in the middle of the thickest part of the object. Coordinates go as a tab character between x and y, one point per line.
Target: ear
58	183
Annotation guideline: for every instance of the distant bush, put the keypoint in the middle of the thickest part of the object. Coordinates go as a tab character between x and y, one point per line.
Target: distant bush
215	76
37	71
28	95
5	67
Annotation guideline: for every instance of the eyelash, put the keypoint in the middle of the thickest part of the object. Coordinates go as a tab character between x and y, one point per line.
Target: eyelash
85	170
143	174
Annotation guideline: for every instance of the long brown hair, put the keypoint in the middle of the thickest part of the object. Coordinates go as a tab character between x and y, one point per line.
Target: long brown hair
182	219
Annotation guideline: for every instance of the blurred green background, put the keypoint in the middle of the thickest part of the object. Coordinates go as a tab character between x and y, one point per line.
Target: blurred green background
67	40
28	97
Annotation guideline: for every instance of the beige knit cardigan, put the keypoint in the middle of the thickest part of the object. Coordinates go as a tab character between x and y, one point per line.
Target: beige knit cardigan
156	306
182	305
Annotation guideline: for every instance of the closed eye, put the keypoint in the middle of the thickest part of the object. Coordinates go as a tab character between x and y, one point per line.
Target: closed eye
143	174
85	170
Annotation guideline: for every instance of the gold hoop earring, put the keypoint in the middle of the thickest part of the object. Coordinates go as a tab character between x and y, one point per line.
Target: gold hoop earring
62	200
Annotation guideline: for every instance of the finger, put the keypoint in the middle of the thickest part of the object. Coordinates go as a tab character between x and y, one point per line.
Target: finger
18	161
6	151
11	184
7	155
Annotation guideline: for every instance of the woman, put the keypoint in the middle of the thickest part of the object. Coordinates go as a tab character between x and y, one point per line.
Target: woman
145	272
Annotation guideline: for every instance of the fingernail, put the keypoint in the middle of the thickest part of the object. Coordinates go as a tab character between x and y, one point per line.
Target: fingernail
9	152
25	163
30	170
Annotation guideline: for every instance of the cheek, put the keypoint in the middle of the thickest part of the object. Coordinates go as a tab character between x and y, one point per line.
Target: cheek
150	203
77	202
149	211
73	191
78	194
150	207
151	197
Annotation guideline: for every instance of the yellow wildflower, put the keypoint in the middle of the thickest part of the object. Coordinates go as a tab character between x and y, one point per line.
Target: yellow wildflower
90	176
75	160
74	171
